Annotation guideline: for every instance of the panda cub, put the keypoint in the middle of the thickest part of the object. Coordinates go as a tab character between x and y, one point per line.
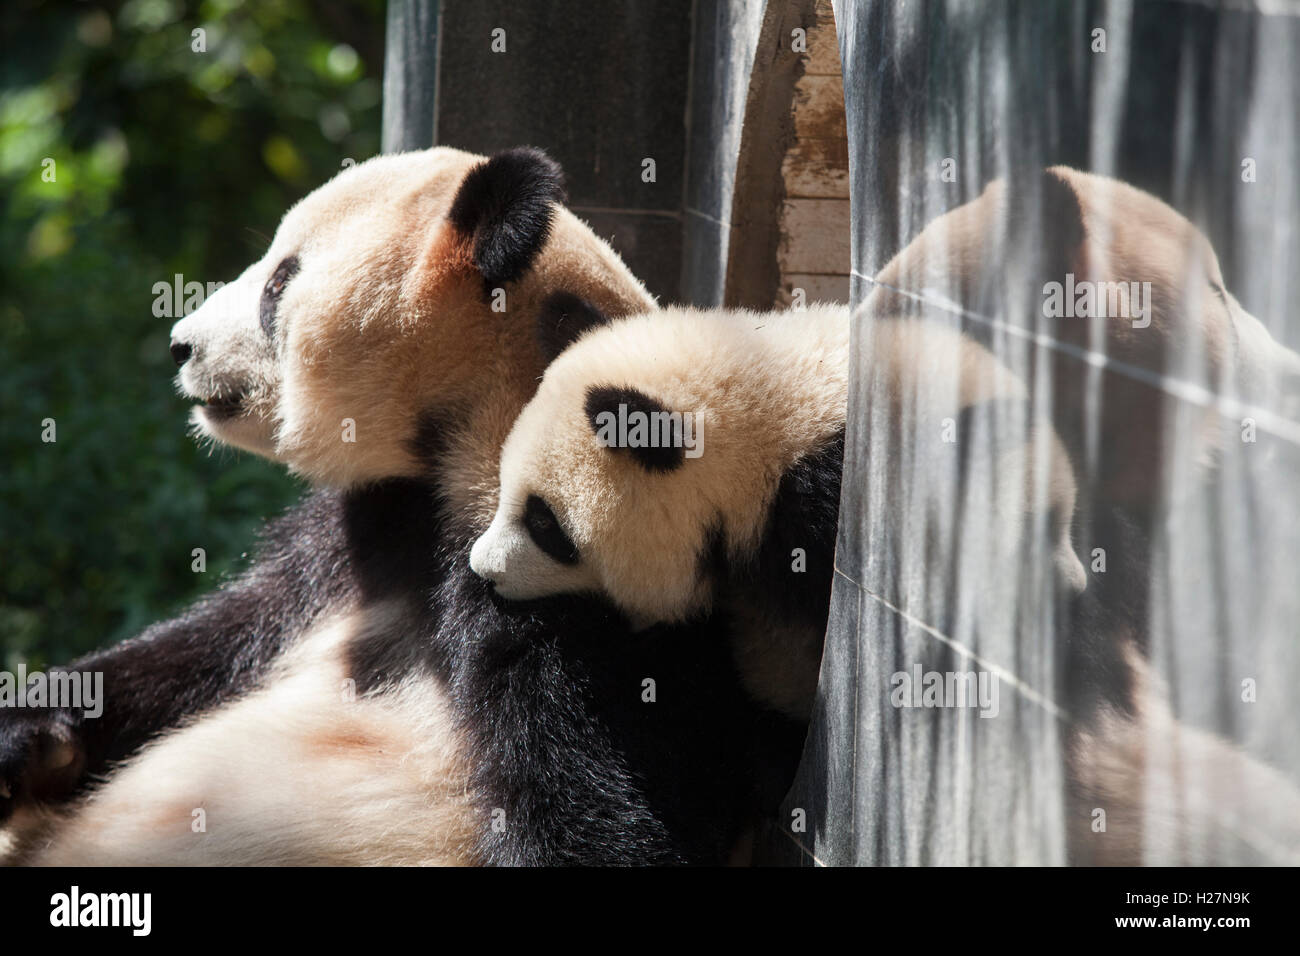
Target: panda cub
683	461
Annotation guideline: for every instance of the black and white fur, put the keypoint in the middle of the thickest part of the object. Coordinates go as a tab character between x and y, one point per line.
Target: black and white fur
356	695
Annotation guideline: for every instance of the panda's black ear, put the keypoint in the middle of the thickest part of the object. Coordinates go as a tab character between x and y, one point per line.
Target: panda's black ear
505	206
631	422
563	317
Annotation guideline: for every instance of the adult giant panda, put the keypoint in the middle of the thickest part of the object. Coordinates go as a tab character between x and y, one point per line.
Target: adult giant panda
357	696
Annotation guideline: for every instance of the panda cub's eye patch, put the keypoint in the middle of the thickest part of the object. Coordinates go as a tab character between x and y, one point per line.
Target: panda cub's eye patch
545	530
272	291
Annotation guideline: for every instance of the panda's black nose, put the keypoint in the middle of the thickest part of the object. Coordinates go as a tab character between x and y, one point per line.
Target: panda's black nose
181	351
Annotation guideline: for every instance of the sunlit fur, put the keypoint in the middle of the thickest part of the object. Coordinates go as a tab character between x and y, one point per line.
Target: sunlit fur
387	321
640	534
302	772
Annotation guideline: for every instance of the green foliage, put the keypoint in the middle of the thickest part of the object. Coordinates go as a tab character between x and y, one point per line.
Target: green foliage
166	160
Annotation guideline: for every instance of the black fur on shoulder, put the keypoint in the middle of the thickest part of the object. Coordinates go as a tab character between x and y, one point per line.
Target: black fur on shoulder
332	548
506	205
661	452
550	697
430	441
804	514
547	694
562	319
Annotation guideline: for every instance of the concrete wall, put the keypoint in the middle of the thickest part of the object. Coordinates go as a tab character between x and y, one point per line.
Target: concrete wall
604	88
601	87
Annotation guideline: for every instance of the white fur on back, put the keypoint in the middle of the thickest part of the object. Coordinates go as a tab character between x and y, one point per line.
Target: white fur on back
293	774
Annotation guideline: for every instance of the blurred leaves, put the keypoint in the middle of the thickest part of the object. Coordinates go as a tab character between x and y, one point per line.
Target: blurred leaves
127	157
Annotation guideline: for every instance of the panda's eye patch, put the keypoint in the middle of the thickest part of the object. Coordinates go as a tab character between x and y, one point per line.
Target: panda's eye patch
545	530
272	291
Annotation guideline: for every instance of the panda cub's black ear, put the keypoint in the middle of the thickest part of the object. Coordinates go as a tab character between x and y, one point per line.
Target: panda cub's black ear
629	421
505	206
563	317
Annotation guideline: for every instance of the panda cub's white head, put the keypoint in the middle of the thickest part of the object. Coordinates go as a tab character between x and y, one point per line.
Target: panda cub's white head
653	451
762	405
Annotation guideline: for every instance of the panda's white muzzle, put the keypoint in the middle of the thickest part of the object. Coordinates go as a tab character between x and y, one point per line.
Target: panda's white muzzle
228	364
518	569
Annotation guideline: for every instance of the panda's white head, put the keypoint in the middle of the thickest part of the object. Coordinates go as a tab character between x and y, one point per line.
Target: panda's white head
646	518
573	515
649	527
404	288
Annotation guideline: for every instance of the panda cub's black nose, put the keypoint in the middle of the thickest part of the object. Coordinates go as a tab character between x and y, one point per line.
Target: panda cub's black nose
181	351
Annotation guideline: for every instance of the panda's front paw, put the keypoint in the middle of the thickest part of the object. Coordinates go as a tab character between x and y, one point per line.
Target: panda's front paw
40	757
